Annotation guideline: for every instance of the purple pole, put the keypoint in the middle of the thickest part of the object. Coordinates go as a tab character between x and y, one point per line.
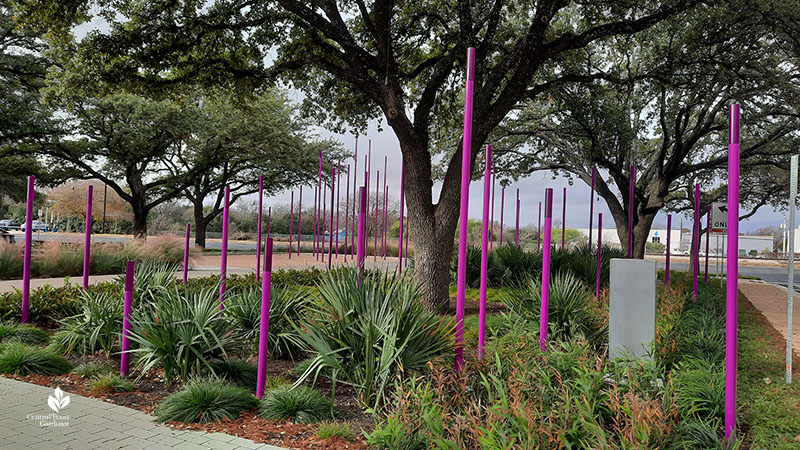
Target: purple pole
26	266
539	237
125	363
291	223
299	218
330	224
502	207
258	226
695	244
591	206
516	230
269	221
669	249
484	251
314	226
708	236
599	252
186	254
402	211
466	154
362	239
491	220
322	220
732	312
564	220
223	266
355	183
408	232
368	166
377	202
630	211
347	213
87	242
318	226
385	205
338	200
548	230
263	331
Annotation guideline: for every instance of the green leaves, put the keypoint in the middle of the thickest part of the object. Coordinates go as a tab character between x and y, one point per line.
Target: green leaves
205	400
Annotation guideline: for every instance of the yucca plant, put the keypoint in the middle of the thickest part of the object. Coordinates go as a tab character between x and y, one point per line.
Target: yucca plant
97	327
151	277
181	332
370	332
287	305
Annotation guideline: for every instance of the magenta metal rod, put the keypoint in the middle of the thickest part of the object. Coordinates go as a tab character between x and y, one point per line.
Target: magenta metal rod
466	158
258	225
708	237
263	330
87	242
599	252
319	217
223	265
408	232
669	249
402	211
368	167
631	185
330	224
502	208
539	234
591	206
299	218
355	215
491	220
564	219
269	222
695	243
291	223
732	309
347	213
548	231
322	220
516	229
385	205
487	175
377	202
186	254
127	307
362	212
314	225
26	265
338	199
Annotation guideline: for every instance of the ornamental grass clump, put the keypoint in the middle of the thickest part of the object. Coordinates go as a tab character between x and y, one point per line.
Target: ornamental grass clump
204	400
17	358
236	371
93	369
23	332
110	382
370	332
299	404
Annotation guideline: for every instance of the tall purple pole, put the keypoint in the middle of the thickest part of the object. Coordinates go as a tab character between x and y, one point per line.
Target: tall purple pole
362	239
564	220
385	204
87	242
338	199
466	158
377	202
591	206
669	249
330	225
127	307
299	218
186	254
487	175
516	229
502	208
695	243
314	226
322	220
548	231
291	223
402	211
258	225
269	222
347	213
491	220
708	237
223	265
26	266
355	190
631	185
263	330
599	252
732	311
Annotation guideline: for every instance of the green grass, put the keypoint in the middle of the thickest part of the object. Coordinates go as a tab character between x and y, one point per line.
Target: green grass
239	372
300	404
111	382
205	400
327	430
769	407
92	369
18	358
23	332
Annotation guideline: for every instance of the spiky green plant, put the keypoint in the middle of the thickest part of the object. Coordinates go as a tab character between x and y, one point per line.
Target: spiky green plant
97	327
111	382
17	358
205	400
23	332
473	266
299	404
510	265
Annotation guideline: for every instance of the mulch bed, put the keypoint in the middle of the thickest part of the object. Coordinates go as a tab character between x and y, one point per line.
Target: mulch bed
150	390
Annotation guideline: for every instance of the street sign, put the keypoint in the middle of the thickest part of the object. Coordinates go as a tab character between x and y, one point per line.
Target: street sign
719	217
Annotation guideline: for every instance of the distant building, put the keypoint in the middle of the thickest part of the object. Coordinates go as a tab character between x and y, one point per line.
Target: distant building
681	240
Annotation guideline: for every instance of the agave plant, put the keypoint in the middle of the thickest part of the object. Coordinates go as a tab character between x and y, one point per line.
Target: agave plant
97	327
367	333
151	278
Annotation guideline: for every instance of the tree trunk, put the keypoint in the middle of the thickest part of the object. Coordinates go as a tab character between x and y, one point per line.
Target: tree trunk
433	249
200	225
139	224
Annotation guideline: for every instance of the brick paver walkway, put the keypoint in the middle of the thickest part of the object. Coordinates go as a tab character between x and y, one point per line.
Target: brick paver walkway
27	422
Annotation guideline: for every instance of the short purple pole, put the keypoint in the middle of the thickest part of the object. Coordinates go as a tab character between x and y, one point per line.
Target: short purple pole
347	213
548	230
669	249
564	220
362	212
516	229
377	202
125	357
502	208
319	208
338	200
299	218
695	244
26	265
708	237
314	226
223	266
258	226
402	211
599	252
487	175
732	309
355	215
385	205
330	224
269	222
539	237
186	254
322	220
631	184
263	330
291	223
87	242
591	206
491	220
466	158
408	232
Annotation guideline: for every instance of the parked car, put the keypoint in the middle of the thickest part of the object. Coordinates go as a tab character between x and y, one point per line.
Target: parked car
6	236
36	225
8	224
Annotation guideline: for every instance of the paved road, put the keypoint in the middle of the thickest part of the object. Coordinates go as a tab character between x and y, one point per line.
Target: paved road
777	275
210	244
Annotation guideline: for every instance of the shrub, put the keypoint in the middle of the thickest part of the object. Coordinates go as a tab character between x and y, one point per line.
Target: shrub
92	369
21	359
287	305
183	333
110	382
327	430
299	404
368	333
205	400
98	327
151	278
510	265
473	278
239	372
23	332
700	390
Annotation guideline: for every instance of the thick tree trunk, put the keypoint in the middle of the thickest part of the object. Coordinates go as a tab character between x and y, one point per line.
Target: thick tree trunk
432	252
139	223
200	225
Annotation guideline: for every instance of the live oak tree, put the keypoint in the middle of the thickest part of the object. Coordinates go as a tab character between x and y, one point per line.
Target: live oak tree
402	62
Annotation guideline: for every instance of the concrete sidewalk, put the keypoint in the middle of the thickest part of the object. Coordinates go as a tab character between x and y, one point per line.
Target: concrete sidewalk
771	301
27	422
